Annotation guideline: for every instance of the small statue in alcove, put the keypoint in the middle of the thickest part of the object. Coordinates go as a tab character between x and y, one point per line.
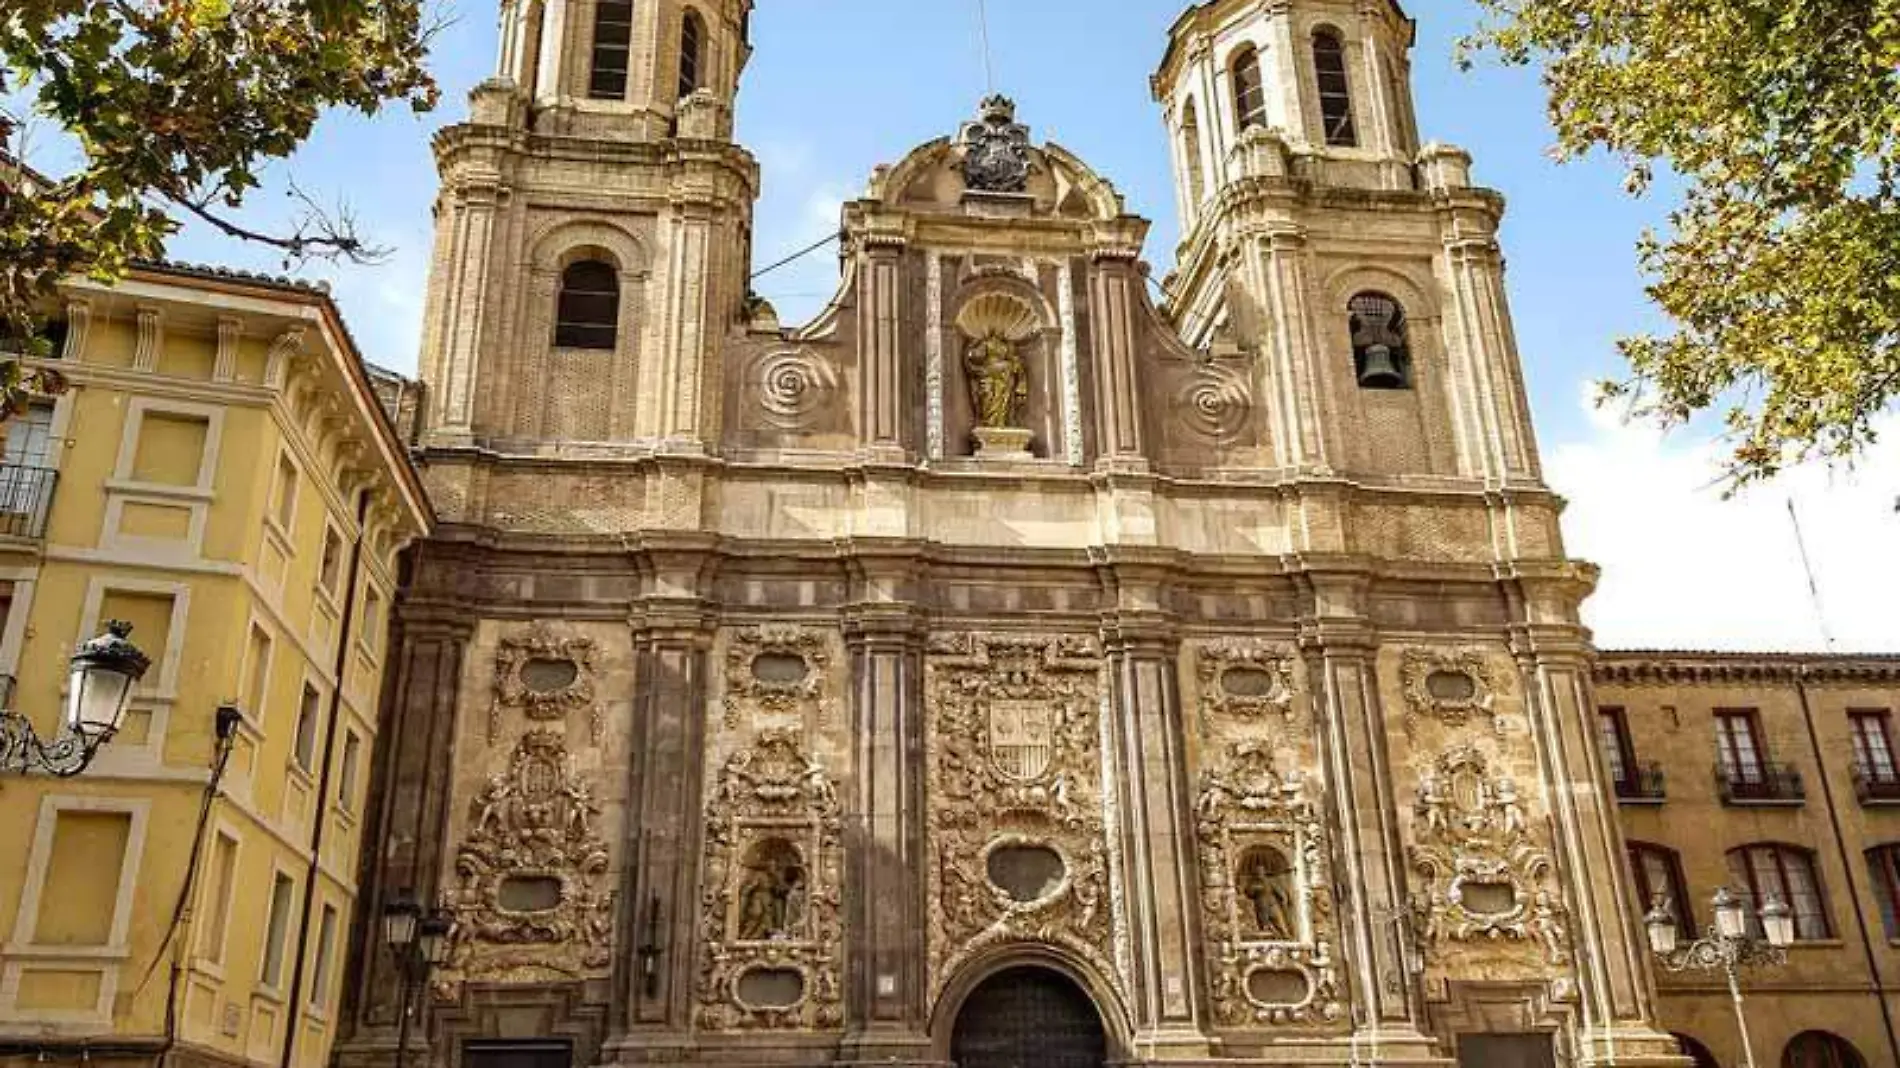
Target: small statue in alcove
999	382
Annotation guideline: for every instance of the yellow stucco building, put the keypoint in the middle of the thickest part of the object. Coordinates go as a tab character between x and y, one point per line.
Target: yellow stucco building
219	475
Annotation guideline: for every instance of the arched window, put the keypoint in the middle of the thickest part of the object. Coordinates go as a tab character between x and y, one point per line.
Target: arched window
613	39
1658	874
692	52
1250	92
1819	1049
1785	873
1191	155
587	316
1883	863
1695	1051
1381	349
1335	91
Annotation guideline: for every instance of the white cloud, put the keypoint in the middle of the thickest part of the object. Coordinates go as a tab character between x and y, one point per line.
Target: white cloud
1685	569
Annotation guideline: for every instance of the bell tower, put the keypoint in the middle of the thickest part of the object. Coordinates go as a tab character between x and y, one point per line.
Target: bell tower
593	235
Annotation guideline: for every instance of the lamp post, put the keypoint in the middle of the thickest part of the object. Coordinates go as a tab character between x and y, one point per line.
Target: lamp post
419	942
1730	949
100	680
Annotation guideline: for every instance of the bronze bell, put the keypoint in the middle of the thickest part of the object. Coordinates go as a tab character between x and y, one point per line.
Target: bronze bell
1380	371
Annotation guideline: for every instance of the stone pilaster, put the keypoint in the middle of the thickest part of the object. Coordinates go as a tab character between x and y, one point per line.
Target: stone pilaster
1615	990
1340	648
473	197
881	387
1154	798
885	980
1294	381
680	373
659	893
1114	303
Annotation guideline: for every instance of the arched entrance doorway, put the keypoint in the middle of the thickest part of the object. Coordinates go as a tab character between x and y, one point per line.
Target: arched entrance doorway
1819	1049
1028	1018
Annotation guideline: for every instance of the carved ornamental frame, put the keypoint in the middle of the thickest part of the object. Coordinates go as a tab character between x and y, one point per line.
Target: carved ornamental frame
772	790
540	641
1215	660
749	697
1418	665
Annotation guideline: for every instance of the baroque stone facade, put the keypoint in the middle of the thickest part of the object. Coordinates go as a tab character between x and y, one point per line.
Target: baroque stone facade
773	694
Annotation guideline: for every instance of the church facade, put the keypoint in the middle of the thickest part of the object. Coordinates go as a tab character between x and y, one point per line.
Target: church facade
1001	666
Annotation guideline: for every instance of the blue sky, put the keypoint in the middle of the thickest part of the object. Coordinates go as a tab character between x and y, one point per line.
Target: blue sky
839	86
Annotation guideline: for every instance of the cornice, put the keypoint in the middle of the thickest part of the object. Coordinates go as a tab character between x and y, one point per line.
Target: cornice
1691	668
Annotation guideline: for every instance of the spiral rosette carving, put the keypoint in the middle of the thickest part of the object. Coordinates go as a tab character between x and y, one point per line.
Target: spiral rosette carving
1217	403
795	387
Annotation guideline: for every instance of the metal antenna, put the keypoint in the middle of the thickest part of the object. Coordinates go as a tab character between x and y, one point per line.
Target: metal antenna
1814	587
983	36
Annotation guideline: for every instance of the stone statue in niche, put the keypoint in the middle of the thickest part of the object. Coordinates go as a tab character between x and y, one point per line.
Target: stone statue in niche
1266	881
999	383
772	901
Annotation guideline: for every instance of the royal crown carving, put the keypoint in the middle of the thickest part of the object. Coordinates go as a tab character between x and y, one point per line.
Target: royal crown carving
770	919
531	902
1451	686
777	670
1484	876
1245	680
546	676
1266	894
1017	831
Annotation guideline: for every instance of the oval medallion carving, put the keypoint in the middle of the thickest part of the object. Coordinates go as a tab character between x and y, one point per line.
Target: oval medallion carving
1027	873
1488	899
1451	686
547	675
771	988
1279	987
1250	682
780	669
529	893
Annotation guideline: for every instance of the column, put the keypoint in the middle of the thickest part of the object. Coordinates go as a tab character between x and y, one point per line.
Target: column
659	892
885	982
1293	374
1340	651
679	373
1155	799
476	196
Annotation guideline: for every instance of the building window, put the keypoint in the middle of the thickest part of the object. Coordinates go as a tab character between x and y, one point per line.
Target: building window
256	672
1819	1049
1381	350
330	571
79	897
1250	91
1873	746
284	492
170	449
613	38
346	771
371	632
1883	863
588	313
1614	738
1335	92
1191	155
326	950
692	53
1658	875
309	711
217	902
276	931
1787	874
1738	747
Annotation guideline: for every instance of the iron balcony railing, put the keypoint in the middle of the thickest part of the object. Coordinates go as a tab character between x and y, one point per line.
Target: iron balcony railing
26	496
1760	784
1876	786
1643	782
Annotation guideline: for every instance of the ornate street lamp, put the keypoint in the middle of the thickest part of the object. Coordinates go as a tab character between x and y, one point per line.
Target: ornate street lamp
103	674
420	942
1730	949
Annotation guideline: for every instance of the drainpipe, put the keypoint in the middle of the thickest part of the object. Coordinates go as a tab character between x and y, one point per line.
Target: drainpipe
1847	864
294	1007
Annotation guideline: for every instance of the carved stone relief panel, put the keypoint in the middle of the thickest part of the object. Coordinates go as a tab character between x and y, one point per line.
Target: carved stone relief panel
1245	680
545	674
531	896
778	675
1454	687
1484	877
1266	893
1017	832
770	920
